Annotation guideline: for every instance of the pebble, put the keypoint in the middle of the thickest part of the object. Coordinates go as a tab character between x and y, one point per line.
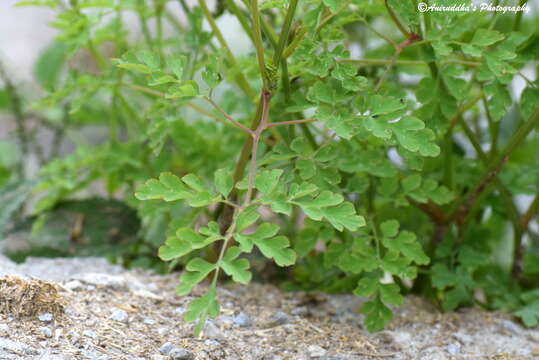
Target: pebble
17	347
74	337
181	354
242	320
166	348
47	317
180	310
300	311
158	357
48	356
212	331
89	334
4	328
453	348
211	342
162	331
149	321
74	285
119	315
315	351
45	331
114	281
279	318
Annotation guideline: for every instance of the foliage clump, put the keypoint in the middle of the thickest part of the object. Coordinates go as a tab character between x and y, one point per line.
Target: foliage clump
366	146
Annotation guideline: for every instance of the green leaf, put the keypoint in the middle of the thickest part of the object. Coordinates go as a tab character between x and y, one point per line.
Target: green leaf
529	314
177	64
324	199
390	294
333	5
390	228
169	188
174	248
377	314
441	277
246	218
211	75
184	90
278	249
194	182
529	101
199	309
411	182
267	180
299	190
343	216
223	181
486	37
366	287
185	241
383	105
48	66
196	270
406	244
238	269
499	100
264	231
150	59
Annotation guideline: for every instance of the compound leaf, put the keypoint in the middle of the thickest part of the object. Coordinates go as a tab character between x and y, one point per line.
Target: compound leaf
237	268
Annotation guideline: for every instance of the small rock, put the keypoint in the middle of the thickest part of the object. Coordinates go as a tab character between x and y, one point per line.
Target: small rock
74	285
300	311
280	318
114	281
166	348
180	310
119	315
242	320
510	326
149	321
181	354
74	337
158	357
211	342
4	328
147	294
225	319
48	356
17	347
315	351
45	331
212	331
453	348
47	317
162	331
89	334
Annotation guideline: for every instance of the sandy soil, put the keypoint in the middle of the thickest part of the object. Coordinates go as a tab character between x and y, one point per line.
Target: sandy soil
109	313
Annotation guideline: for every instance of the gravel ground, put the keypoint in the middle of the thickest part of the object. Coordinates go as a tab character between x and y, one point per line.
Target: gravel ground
110	313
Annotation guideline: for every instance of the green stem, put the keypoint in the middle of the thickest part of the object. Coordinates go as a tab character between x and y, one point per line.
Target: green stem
240	78
283	37
259	45
241	18
405	32
518	16
20	121
463	207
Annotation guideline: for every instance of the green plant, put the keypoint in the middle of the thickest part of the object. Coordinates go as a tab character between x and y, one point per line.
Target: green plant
388	184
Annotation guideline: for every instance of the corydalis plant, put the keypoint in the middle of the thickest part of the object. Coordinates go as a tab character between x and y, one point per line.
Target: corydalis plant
433	161
309	187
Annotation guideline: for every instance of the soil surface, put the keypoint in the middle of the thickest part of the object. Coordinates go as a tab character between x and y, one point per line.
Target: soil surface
87	308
